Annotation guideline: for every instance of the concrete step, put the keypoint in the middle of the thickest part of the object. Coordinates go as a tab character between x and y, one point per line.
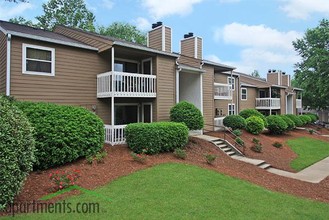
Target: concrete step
249	160
230	153
265	166
226	149
218	142
222	146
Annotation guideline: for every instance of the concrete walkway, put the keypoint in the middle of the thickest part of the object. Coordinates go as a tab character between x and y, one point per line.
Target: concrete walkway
312	174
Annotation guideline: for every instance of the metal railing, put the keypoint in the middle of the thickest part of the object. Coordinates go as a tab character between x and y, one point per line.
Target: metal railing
115	135
233	137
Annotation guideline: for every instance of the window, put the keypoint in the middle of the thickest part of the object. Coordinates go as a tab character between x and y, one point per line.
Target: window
147	66
243	93
122	65
231	81
126	114
38	60
231	109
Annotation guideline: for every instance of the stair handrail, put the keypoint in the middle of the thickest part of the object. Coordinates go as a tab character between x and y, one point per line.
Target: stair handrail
235	136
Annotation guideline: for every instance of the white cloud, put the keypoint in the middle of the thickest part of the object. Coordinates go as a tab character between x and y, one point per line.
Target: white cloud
162	8
213	57
14	10
302	9
262	47
142	24
228	1
108	4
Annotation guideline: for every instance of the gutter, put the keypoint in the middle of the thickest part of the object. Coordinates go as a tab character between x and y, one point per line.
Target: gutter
8	65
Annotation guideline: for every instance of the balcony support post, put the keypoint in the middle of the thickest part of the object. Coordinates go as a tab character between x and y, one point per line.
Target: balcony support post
112	97
270	100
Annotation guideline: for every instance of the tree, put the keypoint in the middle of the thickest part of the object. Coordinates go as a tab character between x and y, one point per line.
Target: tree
72	13
124	31
312	72
23	21
255	73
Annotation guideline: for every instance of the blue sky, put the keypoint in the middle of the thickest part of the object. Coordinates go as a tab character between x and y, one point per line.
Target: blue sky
248	34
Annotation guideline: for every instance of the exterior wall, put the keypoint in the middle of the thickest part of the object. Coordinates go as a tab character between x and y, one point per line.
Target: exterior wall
199	45
74	82
168	40
251	99
89	39
294	104
274	78
166	87
155	38
208	96
223	104
285	80
187	47
3	62
190	61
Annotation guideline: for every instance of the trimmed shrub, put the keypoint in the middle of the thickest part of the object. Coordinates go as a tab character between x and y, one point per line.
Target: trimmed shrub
254	125
63	133
246	113
237	132
276	124
234	122
305	119
156	137
180	153
239	141
290	123
277	144
187	113
17	150
313	116
298	122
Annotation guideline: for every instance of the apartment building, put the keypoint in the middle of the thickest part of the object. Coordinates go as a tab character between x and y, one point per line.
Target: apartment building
124	82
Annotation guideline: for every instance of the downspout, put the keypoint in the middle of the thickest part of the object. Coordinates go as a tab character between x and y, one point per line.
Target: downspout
177	80
270	100
238	96
8	65
201	86
112	95
232	91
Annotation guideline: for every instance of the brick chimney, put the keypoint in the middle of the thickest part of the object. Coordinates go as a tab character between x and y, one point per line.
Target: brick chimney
285	79
278	78
191	46
160	37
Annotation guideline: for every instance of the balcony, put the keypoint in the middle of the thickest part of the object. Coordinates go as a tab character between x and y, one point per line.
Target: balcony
268	103
121	84
299	103
222	91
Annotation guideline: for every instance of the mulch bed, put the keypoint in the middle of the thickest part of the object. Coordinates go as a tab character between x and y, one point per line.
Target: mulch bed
278	157
119	163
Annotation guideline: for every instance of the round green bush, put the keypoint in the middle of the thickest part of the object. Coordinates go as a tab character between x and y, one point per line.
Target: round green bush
234	122
298	122
63	133
276	124
156	137
187	113
290	123
16	150
254	124
305	119
246	113
314	117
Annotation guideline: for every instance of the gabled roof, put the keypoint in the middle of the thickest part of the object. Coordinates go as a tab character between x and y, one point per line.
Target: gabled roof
40	34
219	67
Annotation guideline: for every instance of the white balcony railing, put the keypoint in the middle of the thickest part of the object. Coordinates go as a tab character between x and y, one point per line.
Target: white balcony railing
222	91
299	103
125	85
115	135
218	122
268	103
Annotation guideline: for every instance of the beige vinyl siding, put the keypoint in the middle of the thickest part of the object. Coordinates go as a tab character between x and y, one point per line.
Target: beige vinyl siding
285	80
166	85
168	39
208	96
190	61
294	109
199	55
155	39
74	82
187	47
3	61
89	39
251	99
272	78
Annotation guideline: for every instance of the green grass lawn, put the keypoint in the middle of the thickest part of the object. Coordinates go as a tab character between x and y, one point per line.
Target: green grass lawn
178	191
309	151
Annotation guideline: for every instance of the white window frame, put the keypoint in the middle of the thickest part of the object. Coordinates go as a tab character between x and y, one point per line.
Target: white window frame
232	82
130	104
147	60
228	109
52	50
246	94
151	110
